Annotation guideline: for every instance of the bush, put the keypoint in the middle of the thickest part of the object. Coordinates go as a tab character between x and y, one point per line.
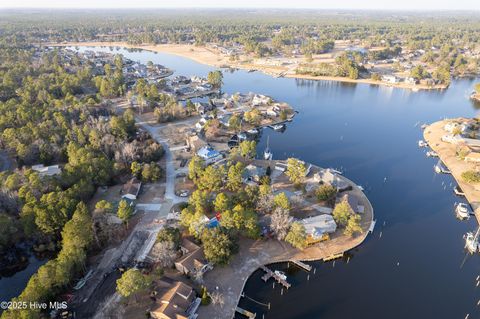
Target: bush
471	176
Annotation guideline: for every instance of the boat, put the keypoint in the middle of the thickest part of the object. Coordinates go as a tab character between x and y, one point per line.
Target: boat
424	126
278	127
360	187
280	274
471	241
432	154
253	131
458	191
422	143
463	210
440	168
267	153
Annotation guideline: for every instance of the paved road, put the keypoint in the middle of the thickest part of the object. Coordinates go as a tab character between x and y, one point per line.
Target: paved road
98	292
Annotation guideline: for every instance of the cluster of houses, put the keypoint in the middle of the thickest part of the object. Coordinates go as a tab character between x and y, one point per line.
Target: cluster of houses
464	133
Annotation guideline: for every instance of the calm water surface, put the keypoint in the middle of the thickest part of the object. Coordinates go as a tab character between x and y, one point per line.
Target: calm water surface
417	268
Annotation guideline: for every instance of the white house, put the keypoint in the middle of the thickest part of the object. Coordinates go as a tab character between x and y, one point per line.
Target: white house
317	226
390	79
47	170
209	155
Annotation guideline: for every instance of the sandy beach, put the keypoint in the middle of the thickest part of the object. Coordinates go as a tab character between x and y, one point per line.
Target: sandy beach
211	57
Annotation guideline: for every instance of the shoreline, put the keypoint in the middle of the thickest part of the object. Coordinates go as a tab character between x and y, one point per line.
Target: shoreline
446	153
254	254
204	55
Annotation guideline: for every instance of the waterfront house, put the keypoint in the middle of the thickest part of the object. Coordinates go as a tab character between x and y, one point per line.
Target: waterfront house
318	227
390	79
209	155
450	127
203	107
328	176
259	99
51	170
352	201
253	173
174	300
131	189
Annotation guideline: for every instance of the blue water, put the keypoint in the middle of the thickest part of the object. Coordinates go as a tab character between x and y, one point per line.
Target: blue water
417	268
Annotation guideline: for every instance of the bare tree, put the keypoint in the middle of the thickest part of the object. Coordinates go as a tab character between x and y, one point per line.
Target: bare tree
164	253
217	298
280	222
265	204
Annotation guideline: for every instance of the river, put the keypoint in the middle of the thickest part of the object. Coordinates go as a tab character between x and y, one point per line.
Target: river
413	265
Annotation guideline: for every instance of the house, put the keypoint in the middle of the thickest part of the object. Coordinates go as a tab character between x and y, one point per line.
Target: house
259	99
51	170
328	176
473	157
318	226
390	79
203	108
194	143
353	203
193	262
131	189
410	80
174	300
225	119
253	173
209	155
450	127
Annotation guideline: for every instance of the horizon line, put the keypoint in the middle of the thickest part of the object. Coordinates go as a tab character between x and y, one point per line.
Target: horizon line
245	8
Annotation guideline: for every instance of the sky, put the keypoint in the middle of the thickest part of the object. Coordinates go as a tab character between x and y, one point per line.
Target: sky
318	4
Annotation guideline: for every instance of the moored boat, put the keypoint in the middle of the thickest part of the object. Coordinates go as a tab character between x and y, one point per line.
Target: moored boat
432	154
267	153
280	274
458	191
422	143
463	211
471	241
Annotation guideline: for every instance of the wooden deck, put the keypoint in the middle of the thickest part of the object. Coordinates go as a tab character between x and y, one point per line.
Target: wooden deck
270	274
301	264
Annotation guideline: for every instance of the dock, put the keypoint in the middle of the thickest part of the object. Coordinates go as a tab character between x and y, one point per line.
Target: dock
301	265
270	274
372	226
246	313
332	257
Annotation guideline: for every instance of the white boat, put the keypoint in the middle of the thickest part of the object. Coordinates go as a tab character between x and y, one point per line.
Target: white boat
280	274
278	127
253	131
360	187
335	171
424	126
440	168
463	210
267	153
432	154
471	241
458	191
422	143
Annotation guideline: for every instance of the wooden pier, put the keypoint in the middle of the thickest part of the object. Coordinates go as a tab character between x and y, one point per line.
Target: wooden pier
332	257
246	313
270	274
301	265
